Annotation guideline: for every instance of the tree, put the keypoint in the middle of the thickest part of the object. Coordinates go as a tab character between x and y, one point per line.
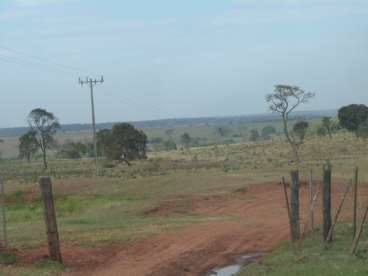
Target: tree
300	130
284	100
73	150
103	138
328	125
362	131
222	131
352	116
28	145
186	140
45	125
254	135
321	131
267	132
123	142
170	145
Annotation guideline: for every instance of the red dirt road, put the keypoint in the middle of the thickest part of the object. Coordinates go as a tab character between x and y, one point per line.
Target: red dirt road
259	225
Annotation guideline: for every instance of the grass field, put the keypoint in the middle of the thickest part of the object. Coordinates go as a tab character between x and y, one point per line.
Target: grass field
314	259
112	208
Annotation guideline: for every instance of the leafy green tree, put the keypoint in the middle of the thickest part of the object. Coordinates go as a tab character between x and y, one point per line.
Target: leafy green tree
300	130
170	145
186	140
352	116
321	131
267	132
103	138
254	135
284	100
45	125
28	145
362	131
73	150
123	142
328	125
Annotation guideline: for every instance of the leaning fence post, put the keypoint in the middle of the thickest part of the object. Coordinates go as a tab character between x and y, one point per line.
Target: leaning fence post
355	201
3	215
339	209
295	205
50	218
327	221
359	234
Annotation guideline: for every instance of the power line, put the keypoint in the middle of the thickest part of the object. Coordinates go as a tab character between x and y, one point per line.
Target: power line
22	62
36	60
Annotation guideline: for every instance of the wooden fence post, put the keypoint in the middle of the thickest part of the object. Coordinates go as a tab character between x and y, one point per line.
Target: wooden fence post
355	201
287	204
327	221
50	218
3	213
295	219
359	234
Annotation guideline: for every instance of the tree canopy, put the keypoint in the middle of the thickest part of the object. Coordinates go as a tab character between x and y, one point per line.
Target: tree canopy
351	117
284	100
123	142
267	132
28	145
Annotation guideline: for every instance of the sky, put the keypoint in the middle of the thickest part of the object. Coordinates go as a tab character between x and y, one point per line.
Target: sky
172	59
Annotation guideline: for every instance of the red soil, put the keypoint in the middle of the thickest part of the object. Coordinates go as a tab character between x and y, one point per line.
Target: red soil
259	223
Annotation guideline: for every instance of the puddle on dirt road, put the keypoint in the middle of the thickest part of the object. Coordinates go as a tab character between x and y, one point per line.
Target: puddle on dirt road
239	264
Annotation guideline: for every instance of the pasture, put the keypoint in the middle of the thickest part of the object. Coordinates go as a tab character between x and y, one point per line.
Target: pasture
101	216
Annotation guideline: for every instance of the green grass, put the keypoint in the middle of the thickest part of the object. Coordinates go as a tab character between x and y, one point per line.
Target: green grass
313	259
44	268
111	210
7	258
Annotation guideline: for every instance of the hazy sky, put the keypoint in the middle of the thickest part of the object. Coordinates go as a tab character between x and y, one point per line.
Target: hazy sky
171	58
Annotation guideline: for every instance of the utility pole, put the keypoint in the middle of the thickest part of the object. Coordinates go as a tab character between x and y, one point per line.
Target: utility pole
91	84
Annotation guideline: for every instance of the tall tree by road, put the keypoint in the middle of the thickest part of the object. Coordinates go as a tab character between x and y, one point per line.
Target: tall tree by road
45	125
284	100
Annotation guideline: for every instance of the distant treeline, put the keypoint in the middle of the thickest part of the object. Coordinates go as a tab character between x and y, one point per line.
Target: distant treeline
180	122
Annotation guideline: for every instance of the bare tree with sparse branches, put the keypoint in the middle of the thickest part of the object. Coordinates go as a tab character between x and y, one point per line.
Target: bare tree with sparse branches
284	100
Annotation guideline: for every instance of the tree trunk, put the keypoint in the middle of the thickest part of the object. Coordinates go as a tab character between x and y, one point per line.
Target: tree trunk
44	159
291	142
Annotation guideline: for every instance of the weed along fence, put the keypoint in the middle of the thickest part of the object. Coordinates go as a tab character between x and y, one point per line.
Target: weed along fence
324	193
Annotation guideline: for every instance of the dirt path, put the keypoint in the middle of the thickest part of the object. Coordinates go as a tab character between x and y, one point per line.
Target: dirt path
259	224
